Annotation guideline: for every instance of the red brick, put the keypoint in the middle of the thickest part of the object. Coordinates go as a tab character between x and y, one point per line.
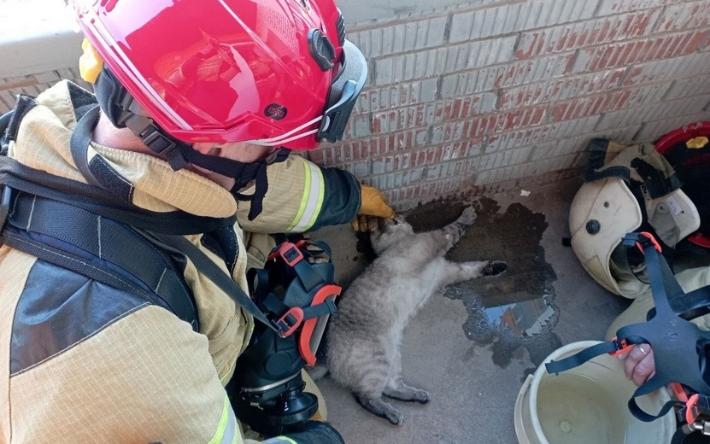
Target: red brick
611	101
560	89
684	16
608	7
495	123
587	106
637	51
586	33
425	114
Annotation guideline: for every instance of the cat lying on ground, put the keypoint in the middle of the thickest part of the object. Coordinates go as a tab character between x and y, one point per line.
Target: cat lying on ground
365	335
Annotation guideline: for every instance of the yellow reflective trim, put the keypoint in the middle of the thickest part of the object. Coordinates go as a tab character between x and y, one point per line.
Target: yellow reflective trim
321	198
316	194
223	422
304	197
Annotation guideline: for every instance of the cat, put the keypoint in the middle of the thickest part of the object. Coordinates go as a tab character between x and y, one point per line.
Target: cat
364	336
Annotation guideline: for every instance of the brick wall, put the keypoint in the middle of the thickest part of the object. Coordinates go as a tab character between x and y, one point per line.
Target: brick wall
488	95
505	94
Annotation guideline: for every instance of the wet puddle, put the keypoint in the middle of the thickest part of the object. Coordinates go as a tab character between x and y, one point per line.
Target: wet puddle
513	312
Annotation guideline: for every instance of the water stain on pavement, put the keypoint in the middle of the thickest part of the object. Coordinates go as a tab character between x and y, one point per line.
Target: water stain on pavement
513	312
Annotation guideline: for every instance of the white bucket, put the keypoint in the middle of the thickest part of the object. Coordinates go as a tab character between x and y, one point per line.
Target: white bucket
587	405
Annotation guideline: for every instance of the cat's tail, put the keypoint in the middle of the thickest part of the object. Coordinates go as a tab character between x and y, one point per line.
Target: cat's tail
318	372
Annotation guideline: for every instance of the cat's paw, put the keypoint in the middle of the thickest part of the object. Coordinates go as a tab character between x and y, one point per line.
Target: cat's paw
394	416
494	268
468	216
421	396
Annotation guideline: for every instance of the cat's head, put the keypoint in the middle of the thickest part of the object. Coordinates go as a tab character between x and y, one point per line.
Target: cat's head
389	232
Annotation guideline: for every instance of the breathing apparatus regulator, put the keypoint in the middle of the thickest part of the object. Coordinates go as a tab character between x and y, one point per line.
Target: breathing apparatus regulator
296	289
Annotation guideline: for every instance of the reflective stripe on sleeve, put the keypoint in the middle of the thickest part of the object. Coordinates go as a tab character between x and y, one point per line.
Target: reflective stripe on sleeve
227	430
311	201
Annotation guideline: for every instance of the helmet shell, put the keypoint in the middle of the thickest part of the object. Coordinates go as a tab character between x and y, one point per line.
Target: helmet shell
602	213
219	70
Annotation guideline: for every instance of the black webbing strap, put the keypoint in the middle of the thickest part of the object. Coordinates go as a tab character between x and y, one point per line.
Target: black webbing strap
693	304
641	415
657	184
328	307
80	141
597	149
96	200
582	357
4	124
23	106
99	248
211	271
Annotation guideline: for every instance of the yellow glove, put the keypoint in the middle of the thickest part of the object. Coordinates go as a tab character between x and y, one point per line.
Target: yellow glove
373	206
374	203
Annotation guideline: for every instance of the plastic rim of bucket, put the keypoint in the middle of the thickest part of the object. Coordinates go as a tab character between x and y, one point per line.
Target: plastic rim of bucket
528	398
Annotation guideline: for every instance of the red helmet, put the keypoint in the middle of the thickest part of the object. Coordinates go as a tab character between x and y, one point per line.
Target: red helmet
270	72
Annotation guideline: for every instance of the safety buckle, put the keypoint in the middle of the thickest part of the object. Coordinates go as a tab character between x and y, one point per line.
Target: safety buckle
648	239
290	321
697	417
158	143
290	253
621	347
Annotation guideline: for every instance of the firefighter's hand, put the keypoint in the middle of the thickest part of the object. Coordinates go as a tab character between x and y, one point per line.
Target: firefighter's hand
365	224
373	206
374	203
639	365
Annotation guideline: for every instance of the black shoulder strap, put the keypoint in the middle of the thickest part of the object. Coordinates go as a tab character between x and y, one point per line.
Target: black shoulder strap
180	245
96	247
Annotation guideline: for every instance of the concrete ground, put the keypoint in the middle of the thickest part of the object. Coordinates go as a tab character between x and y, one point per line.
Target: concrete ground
473	346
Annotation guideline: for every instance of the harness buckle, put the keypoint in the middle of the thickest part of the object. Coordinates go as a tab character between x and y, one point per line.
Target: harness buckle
697	417
290	253
621	347
648	239
290	321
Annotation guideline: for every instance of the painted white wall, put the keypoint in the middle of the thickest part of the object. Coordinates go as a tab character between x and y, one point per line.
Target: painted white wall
36	36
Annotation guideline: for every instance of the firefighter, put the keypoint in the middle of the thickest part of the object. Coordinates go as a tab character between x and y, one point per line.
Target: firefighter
197	110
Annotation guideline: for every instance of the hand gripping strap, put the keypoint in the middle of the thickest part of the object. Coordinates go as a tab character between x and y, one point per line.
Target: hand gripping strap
674	340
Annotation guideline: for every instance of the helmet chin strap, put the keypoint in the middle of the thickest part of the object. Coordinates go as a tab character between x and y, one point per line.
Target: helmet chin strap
124	112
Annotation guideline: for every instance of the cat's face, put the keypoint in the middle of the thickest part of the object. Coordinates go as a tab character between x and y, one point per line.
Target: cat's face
390	232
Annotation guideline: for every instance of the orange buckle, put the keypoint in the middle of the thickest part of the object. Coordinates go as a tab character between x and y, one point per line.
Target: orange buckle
690	411
679	392
305	347
290	321
653	241
621	347
289	252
